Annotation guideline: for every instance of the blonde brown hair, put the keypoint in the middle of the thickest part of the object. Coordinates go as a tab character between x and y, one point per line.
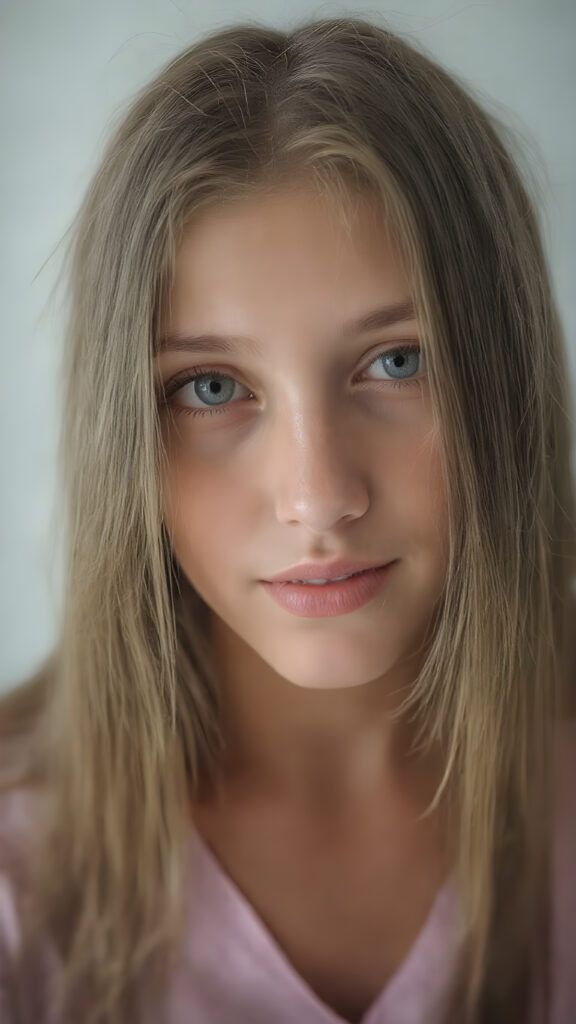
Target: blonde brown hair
123	721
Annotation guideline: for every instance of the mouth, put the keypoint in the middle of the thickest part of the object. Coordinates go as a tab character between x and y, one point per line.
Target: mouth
317	598
324	573
330	580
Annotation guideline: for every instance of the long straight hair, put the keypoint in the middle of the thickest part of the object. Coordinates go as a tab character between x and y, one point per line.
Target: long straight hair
124	718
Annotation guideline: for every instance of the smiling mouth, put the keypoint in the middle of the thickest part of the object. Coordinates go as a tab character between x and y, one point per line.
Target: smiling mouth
335	579
339	570
317	599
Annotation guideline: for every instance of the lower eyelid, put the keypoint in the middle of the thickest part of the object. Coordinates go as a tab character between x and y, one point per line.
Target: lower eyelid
168	391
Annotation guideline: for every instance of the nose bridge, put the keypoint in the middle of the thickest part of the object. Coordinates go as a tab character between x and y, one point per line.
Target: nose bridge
319	477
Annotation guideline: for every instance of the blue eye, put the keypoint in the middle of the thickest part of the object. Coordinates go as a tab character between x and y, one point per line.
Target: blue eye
400	364
216	390
210	387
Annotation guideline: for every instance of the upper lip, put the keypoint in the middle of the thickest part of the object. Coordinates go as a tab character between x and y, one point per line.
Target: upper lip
323	570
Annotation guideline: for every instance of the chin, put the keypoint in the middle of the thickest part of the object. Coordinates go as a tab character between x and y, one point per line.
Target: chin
329	669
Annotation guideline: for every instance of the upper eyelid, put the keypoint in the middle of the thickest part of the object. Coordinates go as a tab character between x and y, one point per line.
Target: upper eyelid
226	371
398	345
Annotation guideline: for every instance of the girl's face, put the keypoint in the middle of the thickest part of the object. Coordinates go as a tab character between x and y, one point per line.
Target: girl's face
305	437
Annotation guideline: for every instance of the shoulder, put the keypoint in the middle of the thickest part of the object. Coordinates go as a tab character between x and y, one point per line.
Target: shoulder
565	806
565	782
565	777
14	829
17	833
20	789
564	875
20	816
23	991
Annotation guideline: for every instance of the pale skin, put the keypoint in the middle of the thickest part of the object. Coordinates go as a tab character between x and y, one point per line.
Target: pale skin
315	454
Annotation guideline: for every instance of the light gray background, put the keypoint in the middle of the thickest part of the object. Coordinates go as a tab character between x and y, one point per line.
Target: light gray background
66	67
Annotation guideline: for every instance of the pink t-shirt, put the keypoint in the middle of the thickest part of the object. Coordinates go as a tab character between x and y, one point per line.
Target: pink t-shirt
230	970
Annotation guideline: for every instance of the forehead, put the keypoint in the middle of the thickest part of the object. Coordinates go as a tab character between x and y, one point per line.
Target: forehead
286	252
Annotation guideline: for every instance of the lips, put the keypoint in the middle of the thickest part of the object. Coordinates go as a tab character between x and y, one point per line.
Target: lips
322	583
324	570
331	598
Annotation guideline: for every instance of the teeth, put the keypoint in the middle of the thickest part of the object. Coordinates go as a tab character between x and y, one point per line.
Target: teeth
317	583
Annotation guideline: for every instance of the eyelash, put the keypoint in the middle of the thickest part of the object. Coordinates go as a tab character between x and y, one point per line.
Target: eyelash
189	376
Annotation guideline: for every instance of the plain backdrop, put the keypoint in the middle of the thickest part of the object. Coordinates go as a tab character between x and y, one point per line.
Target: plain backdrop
67	68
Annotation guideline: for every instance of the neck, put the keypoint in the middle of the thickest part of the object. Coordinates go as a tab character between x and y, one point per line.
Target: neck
315	748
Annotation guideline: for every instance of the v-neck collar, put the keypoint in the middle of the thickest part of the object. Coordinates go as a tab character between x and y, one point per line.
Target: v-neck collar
414	994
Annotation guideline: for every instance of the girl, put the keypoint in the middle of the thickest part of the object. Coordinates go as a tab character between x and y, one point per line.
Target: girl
303	753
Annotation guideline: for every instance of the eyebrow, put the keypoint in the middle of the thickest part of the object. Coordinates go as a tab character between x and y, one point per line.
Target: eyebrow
377	320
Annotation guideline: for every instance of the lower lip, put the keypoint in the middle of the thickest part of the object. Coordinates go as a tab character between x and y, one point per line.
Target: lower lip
328	599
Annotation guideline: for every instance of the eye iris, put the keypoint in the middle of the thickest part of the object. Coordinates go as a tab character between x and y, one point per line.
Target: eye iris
407	361
208	387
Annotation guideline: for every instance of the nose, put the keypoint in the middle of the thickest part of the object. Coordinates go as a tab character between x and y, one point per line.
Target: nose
319	479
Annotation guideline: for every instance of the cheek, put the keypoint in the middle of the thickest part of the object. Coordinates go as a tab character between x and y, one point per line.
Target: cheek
414	479
434	507
420	502
202	510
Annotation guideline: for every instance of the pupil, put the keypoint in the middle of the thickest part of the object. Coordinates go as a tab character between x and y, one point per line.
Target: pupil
215	387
